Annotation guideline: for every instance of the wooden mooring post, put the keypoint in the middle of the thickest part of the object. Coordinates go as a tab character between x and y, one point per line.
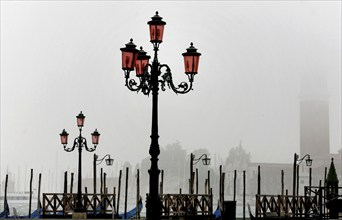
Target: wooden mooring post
71	182
101	180
297	180
65	190
39	205
138	195
30	202
114	204
244	196
5	197
234	198
208	181
104	182
196	180
220	187
126	191
282	182
259	181
119	189
161	186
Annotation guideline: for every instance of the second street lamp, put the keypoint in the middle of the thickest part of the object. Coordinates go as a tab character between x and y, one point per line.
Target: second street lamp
296	162
150	77
109	162
193	161
80	142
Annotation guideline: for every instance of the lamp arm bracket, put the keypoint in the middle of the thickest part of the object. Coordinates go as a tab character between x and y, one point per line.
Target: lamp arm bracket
195	161
301	159
85	145
165	77
132	85
164	66
144	84
100	160
182	88
145	81
67	149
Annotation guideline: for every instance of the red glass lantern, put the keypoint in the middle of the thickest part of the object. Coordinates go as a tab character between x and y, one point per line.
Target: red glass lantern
191	60
156	29
80	120
95	137
141	62
129	56
64	137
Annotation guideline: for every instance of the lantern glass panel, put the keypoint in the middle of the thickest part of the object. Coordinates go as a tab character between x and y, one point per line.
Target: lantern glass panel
156	33
308	162
191	64
206	161
80	119
80	122
95	139
128	60
109	161
64	139
140	66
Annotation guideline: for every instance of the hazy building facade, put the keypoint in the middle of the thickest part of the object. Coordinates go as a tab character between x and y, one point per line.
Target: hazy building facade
314	116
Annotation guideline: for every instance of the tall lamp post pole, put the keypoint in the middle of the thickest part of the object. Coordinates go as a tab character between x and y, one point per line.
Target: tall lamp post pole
150	78
296	162
80	142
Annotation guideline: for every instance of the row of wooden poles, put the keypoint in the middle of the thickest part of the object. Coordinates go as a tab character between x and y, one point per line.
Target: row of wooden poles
208	190
222	184
31	191
295	181
104	188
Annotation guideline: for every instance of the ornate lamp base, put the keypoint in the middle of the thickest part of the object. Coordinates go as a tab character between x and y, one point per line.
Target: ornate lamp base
153	207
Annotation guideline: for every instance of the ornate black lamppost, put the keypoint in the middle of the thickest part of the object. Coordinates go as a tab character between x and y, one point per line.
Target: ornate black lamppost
193	161
296	162
150	76
80	142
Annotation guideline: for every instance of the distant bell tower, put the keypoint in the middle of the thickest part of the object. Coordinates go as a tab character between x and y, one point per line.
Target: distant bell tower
314	116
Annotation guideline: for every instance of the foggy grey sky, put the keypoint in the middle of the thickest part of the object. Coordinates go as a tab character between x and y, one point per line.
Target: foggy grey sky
58	58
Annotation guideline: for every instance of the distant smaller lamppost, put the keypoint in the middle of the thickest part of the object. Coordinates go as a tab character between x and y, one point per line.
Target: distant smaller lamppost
80	142
193	161
109	162
296	162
